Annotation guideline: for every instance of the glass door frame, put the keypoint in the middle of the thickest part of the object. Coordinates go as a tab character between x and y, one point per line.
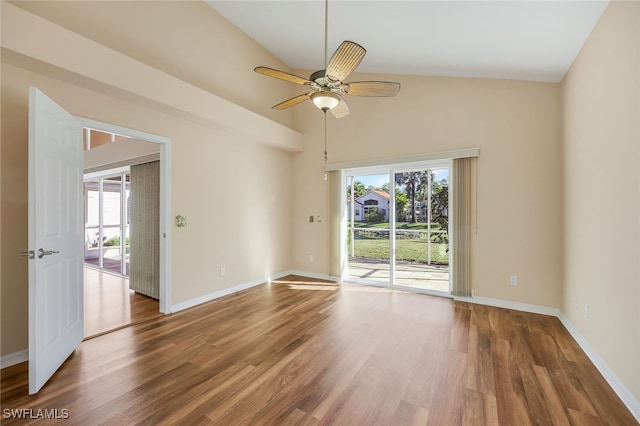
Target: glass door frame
100	177
348	178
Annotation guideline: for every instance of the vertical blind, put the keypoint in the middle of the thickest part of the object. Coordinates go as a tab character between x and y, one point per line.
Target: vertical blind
145	229
461	238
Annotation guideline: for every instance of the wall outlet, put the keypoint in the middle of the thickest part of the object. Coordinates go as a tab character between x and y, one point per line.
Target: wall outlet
223	271
311	219
311	258
513	280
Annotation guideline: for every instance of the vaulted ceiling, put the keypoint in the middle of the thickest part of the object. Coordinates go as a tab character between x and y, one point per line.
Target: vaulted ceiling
512	39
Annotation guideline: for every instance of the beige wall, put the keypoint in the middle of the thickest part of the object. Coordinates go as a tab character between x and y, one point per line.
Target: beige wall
248	204
601	96
120	152
186	39
235	194
517	127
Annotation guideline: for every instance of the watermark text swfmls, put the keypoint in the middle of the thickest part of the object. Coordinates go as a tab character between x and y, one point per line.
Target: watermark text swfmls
35	413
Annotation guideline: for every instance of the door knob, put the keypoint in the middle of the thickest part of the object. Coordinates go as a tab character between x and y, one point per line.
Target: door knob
42	253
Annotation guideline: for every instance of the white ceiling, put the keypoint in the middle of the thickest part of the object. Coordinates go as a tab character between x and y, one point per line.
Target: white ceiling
511	39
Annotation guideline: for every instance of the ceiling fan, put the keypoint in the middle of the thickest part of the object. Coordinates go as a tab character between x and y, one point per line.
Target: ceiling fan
328	86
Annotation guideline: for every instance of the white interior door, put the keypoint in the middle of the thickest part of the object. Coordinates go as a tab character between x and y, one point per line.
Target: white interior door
56	321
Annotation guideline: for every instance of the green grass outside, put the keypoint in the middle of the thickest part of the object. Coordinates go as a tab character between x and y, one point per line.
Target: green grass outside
412	250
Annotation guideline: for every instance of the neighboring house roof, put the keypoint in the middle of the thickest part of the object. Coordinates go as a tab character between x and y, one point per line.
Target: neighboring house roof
376	192
382	194
357	202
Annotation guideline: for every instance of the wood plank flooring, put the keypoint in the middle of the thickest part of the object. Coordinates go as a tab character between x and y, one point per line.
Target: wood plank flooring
306	352
110	305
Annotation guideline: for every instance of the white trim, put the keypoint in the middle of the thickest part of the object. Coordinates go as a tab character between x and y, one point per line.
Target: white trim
447	155
507	304
14	358
244	286
226	291
628	399
314	275
166	223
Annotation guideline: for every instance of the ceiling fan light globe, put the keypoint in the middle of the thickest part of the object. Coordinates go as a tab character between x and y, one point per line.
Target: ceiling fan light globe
325	100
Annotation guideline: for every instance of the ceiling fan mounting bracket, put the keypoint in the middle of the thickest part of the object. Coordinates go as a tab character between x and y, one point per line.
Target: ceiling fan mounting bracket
319	81
320	74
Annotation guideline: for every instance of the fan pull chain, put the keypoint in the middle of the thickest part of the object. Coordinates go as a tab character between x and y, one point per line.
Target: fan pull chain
325	146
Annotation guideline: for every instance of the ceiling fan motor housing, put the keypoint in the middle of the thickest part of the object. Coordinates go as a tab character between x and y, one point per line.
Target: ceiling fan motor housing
322	81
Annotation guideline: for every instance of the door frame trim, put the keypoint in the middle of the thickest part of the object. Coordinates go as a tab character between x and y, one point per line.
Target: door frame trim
165	199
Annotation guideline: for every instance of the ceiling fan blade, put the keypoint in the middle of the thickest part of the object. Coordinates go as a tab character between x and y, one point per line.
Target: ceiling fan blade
281	75
371	88
293	101
340	110
344	60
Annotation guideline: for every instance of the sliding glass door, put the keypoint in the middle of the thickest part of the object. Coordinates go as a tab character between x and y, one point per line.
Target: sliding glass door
421	229
399	235
107	221
368	237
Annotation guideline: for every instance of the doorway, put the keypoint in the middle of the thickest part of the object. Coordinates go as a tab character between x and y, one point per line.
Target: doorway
111	154
164	151
398	226
109	300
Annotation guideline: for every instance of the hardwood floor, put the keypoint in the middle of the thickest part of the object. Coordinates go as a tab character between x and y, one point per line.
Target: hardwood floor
110	305
306	352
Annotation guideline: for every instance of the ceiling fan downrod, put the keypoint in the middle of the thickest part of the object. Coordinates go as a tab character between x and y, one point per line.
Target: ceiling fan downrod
326	32
328	87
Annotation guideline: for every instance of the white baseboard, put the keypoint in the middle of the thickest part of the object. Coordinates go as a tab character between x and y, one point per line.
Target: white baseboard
14	358
314	275
628	399
507	304
244	286
614	381
225	292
